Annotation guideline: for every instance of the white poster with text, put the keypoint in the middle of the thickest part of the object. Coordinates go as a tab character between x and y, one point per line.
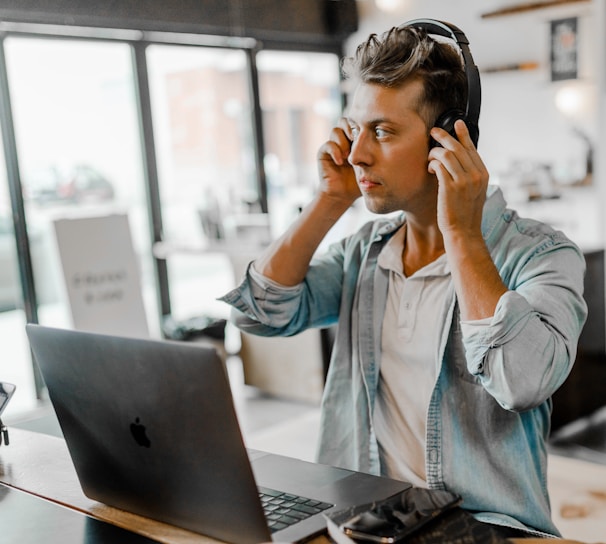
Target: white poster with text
101	273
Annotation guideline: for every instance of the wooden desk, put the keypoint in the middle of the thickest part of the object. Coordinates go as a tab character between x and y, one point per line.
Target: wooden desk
27	519
40	464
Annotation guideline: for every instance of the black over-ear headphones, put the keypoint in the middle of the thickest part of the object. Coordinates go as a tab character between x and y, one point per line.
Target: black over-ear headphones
471	115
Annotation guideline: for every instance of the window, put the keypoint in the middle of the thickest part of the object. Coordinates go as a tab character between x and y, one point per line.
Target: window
79	154
14	367
78	141
78	145
301	102
205	153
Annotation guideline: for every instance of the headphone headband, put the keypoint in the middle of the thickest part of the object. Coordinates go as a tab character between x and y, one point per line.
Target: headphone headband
474	88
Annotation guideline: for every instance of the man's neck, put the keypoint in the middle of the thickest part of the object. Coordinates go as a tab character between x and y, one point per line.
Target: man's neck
421	247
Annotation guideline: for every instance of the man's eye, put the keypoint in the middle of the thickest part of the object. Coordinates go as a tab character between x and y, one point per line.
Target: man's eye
380	133
354	131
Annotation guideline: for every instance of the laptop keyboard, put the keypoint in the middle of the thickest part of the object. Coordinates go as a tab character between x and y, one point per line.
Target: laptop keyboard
285	509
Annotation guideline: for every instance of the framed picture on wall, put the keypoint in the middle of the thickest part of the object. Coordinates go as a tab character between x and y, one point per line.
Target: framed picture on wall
564	49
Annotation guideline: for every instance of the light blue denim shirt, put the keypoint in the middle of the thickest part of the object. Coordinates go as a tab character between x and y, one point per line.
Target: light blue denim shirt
489	414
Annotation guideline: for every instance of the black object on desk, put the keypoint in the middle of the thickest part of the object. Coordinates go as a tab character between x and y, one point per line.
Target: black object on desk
27	519
6	392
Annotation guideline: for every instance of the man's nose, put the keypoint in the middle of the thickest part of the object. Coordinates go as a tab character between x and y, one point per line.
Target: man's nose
360	151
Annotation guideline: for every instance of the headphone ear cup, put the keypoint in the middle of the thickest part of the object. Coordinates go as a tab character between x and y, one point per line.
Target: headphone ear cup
474	133
447	121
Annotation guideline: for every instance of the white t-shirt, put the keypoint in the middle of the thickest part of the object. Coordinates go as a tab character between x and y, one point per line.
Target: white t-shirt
409	361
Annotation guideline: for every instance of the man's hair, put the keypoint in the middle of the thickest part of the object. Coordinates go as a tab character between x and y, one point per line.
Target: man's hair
404	54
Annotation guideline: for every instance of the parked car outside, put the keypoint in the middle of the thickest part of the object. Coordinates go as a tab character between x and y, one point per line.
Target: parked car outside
81	183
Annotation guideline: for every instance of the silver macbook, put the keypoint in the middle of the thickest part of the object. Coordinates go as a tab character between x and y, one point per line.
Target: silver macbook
151	428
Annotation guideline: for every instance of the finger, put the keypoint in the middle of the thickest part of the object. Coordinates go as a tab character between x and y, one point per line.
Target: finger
341	137
344	125
437	168
331	150
440	136
448	141
464	137
336	147
328	152
459	154
447	160
462	133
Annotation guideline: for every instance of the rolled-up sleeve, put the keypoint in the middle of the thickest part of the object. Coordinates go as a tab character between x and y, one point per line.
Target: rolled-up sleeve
525	352
262	306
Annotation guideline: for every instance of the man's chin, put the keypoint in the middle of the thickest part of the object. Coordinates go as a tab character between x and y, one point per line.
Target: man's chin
377	206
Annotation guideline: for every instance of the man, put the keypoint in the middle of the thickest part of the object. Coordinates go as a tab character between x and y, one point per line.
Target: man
457	320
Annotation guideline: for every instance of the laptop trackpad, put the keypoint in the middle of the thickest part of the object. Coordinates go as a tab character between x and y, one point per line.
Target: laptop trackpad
294	475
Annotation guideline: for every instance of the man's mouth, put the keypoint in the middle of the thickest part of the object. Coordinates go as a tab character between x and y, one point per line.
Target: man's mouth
367	184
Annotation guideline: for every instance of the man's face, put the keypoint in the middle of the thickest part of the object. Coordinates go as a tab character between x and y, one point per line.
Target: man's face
390	148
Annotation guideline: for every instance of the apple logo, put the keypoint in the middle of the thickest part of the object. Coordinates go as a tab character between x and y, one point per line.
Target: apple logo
137	429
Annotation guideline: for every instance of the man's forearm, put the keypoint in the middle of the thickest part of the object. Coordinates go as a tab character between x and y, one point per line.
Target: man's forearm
476	279
287	259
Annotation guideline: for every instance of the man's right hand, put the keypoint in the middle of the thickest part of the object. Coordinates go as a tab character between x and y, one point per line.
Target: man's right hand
337	176
286	261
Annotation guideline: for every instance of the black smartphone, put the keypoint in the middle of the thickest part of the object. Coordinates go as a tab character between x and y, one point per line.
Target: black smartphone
394	520
6	392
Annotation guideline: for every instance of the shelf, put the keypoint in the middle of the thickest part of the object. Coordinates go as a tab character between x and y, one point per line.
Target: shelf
513	67
529	6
